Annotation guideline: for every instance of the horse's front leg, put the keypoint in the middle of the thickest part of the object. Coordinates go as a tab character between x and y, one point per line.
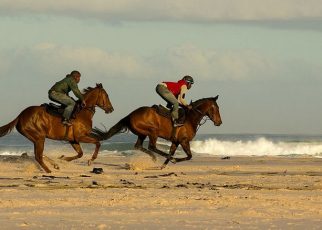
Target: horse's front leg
186	148
173	149
89	139
51	161
94	156
77	148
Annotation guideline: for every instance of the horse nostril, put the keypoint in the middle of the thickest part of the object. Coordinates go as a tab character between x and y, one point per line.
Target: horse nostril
218	123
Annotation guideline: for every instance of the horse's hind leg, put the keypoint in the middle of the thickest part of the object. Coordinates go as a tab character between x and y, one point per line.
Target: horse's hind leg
39	149
153	147
186	147
139	142
39	143
77	148
139	146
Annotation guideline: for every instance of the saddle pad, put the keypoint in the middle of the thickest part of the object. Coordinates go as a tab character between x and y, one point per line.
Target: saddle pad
165	112
53	109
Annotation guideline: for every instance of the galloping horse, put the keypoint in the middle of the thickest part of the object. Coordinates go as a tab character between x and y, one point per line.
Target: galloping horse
36	124
145	121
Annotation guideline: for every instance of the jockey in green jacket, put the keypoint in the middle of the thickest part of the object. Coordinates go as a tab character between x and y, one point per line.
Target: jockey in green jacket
59	93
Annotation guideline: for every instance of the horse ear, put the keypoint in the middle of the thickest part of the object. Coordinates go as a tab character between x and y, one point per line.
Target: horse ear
99	85
215	98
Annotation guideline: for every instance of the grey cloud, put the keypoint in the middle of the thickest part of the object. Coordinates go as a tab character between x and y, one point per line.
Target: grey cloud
221	65
47	59
169	10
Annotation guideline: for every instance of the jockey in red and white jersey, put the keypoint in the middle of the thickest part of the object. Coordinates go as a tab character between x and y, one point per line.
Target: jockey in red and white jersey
174	94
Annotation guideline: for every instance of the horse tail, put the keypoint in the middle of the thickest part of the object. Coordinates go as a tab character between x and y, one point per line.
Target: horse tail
119	127
4	130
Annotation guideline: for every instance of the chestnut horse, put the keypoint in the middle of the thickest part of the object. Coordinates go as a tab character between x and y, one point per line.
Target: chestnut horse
145	121
36	124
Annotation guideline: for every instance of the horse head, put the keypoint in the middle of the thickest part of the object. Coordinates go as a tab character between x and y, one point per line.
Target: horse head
208	107
98	97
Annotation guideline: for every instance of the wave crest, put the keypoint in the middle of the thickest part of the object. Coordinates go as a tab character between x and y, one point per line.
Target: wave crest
258	147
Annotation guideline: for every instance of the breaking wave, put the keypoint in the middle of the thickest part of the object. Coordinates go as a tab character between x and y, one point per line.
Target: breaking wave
257	147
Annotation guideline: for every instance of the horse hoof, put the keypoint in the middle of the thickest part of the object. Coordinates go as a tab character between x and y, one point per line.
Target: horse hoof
173	161
163	166
56	166
61	157
89	162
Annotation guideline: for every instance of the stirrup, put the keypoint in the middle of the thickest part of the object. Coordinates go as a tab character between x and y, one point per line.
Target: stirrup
176	124
66	122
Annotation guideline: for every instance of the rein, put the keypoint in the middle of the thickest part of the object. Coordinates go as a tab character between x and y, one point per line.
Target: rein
90	108
203	120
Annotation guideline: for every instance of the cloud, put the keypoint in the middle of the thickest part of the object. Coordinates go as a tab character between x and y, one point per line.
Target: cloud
218	64
48	59
169	10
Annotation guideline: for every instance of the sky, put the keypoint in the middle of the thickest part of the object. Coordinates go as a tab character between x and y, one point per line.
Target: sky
263	58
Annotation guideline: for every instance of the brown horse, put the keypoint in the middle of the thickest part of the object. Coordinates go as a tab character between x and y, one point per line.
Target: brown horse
145	121
36	124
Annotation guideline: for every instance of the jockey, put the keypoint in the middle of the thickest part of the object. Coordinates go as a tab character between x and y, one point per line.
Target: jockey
174	93
59	93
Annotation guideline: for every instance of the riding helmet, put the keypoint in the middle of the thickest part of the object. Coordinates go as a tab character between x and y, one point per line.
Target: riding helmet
188	79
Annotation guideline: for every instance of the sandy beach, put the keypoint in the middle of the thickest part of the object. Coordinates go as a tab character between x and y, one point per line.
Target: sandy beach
204	193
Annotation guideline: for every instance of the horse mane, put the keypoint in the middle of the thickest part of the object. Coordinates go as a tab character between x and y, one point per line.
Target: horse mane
89	89
200	101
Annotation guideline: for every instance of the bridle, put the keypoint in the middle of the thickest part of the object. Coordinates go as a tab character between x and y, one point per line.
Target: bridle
203	120
92	107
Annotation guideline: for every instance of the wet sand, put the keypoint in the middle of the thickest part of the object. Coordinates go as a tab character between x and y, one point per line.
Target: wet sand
204	193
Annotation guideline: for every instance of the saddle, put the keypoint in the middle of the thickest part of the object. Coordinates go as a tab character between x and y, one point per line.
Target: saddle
166	112
58	110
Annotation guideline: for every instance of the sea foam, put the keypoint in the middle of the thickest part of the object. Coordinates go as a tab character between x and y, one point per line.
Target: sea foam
257	147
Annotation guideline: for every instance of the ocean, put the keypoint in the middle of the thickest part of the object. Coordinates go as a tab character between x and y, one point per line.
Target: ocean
203	144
